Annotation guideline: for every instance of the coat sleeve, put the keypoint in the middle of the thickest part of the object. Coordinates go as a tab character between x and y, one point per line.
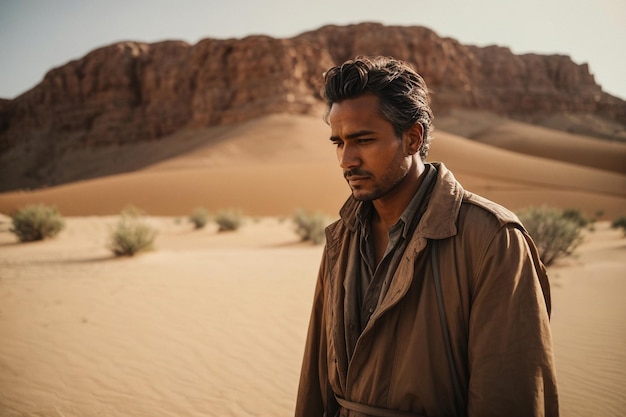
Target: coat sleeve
510	357
313	387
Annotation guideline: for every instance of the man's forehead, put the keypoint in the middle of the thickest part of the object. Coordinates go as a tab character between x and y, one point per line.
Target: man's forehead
360	110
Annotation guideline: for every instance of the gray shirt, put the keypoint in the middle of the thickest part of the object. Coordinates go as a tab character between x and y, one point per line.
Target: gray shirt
366	282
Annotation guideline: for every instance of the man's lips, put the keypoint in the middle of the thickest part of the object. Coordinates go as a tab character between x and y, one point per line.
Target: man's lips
356	181
356	175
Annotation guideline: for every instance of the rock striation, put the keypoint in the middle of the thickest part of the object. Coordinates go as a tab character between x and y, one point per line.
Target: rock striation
134	92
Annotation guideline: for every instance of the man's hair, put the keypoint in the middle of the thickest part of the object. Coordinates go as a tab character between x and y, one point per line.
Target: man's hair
402	92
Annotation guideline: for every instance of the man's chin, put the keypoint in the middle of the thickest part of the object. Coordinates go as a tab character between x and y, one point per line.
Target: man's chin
361	195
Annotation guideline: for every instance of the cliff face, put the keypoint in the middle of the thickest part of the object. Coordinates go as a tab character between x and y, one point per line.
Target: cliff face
133	92
490	78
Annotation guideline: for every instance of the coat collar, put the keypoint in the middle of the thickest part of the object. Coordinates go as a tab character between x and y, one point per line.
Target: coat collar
439	220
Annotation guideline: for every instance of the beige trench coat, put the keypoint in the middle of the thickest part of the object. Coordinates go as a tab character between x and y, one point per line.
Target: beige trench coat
497	305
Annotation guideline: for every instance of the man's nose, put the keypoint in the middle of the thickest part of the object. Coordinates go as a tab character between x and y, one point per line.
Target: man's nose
348	157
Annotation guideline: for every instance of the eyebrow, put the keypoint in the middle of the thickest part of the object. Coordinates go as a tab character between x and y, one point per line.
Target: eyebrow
354	135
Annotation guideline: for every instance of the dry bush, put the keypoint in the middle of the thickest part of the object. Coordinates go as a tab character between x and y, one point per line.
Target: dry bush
555	232
199	217
619	223
132	235
311	226
229	220
36	222
576	216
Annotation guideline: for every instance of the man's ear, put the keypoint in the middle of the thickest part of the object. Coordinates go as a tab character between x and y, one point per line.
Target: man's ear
413	139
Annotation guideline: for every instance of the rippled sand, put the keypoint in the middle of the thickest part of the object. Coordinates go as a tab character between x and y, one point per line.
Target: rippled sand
213	324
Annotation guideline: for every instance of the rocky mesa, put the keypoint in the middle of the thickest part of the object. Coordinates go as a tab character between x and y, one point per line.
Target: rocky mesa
131	92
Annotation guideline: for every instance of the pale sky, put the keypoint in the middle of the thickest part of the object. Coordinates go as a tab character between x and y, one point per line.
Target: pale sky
37	35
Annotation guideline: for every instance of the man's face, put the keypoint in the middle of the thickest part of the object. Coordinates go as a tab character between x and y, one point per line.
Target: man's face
374	160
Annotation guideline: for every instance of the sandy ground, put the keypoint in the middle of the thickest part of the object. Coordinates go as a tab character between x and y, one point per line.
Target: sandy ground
207	325
589	325
213	324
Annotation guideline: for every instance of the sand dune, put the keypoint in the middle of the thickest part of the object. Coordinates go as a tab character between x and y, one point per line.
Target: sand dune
276	164
539	141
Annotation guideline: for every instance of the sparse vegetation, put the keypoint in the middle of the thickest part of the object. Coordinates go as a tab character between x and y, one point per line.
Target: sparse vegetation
199	217
311	226
619	223
132	235
598	215
576	216
555	232
228	220
36	222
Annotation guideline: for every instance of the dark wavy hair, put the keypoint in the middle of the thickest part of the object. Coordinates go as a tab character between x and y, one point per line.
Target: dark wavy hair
402	92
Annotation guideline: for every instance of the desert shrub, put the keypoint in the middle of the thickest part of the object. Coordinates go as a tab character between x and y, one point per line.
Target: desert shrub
199	217
36	222
576	216
228	220
310	226
619	223
131	235
554	231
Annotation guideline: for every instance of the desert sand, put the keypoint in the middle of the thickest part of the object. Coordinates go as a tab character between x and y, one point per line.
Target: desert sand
213	324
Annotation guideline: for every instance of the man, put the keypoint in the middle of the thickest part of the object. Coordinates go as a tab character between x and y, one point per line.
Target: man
430	300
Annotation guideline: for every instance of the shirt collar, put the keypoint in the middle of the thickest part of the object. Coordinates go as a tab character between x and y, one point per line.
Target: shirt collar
410	212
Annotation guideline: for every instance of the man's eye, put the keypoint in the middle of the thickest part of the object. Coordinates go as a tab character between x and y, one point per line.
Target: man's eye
365	140
337	143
